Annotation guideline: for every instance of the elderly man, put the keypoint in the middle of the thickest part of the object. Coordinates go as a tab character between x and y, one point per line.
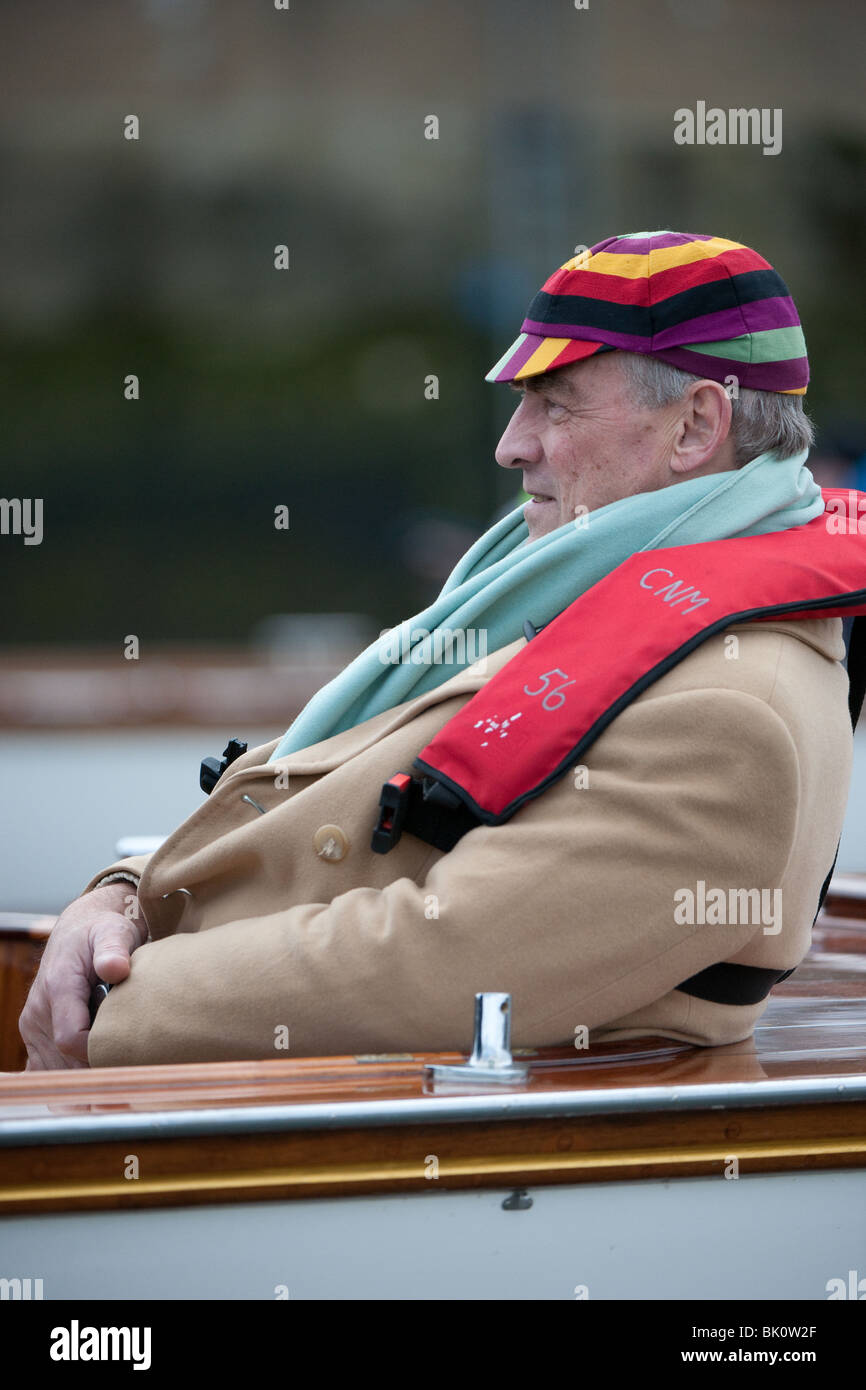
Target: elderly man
653	872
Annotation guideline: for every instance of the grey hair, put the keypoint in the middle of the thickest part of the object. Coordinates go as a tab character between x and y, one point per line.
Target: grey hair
762	422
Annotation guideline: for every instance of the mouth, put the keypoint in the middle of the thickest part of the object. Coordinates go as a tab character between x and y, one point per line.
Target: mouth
538	499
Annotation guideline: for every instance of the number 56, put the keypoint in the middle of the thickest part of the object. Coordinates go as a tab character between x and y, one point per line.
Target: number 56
553	693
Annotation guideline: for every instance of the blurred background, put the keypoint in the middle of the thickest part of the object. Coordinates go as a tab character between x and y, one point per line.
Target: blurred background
309	387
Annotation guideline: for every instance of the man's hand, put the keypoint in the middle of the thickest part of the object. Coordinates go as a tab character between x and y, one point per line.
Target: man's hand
92	940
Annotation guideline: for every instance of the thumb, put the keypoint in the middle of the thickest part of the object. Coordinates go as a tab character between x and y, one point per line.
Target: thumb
113	939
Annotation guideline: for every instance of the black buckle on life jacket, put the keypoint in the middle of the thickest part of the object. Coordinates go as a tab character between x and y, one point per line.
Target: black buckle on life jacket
423	807
212	769
393	806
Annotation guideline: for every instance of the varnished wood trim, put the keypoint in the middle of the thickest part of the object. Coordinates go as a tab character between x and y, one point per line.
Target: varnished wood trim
366	1162
364	1177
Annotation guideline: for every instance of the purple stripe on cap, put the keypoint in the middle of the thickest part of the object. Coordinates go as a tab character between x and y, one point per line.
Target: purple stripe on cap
522	354
629	342
641	246
708	328
778	312
754	376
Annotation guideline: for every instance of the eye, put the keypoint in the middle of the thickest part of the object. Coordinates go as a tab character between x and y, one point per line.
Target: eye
556	409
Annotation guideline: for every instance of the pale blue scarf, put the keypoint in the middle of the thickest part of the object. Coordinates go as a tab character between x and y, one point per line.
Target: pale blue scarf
503	579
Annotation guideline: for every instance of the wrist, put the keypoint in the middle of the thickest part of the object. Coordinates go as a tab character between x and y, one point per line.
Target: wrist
120	898
113	893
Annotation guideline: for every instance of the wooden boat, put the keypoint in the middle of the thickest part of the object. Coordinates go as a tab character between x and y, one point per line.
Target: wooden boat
646	1169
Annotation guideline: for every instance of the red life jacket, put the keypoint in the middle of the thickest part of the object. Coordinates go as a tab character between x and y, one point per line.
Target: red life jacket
536	718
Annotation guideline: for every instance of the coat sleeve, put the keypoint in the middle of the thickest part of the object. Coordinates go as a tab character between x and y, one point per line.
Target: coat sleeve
571	907
131	868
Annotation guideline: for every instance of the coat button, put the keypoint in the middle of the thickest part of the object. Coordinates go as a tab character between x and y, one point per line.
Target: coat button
331	843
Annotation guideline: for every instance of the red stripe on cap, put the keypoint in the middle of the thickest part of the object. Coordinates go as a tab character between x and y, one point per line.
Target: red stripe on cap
685	277
593	284
574	351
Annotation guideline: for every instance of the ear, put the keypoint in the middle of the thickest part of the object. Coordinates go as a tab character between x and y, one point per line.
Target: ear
703	429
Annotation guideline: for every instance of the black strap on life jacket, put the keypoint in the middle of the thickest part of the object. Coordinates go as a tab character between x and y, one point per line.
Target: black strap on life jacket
856	668
732	984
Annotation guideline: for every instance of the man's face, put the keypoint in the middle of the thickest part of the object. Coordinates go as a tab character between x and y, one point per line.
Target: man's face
582	442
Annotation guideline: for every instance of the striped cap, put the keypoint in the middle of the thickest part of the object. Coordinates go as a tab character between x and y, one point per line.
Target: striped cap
700	303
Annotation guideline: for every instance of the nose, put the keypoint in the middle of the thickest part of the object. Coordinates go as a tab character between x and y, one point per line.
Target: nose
520	444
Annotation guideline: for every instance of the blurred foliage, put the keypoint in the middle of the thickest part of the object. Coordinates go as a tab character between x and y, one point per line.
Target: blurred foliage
159	513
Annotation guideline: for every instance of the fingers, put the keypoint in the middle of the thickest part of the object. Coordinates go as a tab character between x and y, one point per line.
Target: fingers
45	1056
70	1018
112	938
46	1052
90	941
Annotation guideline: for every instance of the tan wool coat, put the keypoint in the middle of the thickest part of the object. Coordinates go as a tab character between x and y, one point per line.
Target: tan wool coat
732	770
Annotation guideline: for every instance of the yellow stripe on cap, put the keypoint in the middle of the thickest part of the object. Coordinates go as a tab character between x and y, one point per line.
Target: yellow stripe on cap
633	267
542	357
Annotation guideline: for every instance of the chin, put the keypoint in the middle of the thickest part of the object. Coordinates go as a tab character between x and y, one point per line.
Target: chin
541	527
542	520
